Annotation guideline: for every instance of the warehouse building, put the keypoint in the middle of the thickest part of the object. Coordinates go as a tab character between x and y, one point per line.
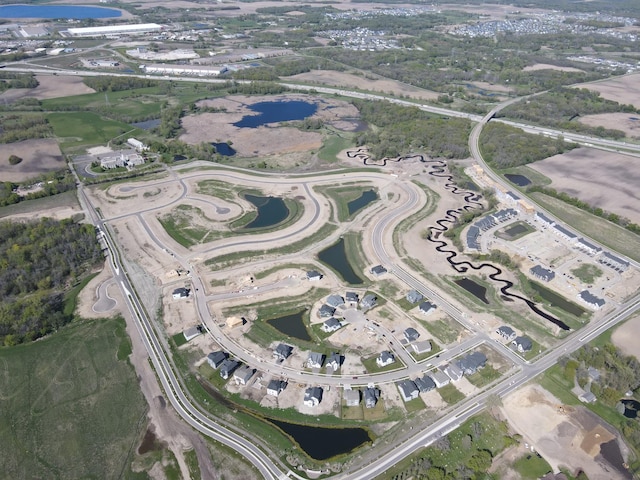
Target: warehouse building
114	30
197	70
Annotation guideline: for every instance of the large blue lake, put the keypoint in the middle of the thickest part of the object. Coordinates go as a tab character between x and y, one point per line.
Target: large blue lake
278	111
57	11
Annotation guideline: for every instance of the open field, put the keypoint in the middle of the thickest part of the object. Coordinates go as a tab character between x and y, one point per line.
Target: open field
71	406
626	122
350	80
50	87
63	205
624	90
625	336
546	66
603	179
40	155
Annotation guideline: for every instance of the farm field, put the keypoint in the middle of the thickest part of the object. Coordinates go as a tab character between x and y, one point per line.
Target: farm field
40	155
71	406
624	90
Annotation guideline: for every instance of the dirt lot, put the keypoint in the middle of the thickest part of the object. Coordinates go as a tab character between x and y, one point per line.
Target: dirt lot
40	155
570	439
628	123
50	87
604	179
545	66
348	80
625	336
624	90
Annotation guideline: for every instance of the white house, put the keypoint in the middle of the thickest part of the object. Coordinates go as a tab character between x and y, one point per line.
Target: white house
312	396
385	358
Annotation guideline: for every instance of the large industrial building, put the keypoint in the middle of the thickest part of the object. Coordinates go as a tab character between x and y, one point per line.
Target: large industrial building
198	70
113	30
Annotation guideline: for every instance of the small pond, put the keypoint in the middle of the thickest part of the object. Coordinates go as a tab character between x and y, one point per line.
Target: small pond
57	11
558	300
147	124
291	325
224	148
519	180
271	211
631	407
474	288
336	257
278	111
362	201
323	443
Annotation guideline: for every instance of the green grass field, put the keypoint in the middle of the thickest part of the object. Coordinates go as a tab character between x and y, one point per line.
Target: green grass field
70	404
601	230
333	145
76	129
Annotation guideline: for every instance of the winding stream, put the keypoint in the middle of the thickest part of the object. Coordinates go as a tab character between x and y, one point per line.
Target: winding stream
471	201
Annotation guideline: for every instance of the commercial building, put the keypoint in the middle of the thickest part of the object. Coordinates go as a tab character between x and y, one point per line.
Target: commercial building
197	70
114	30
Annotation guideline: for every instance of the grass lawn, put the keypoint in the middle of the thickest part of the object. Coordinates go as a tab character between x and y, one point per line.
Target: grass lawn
451	394
601	230
179	339
76	129
587	273
414	405
484	376
446	331
372	367
531	466
332	145
71	406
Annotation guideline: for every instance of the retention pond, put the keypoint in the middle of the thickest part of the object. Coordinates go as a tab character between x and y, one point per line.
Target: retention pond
336	257
271	211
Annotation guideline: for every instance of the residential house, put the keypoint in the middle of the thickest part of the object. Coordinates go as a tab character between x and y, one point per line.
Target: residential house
414	296
425	383
588	247
506	332
333	362
426	307
369	301
378	270
335	301
541	273
282	352
614	262
275	387
215	359
408	390
421	347
351	397
243	374
228	367
315	360
411	334
181	293
312	396
233	322
385	358
563	232
331	325
351	297
587	397
453	371
313	275
594	374
439	378
371	396
471	363
591	300
522	344
326	311
192	332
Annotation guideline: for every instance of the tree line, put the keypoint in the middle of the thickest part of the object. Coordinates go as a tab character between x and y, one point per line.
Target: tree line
39	261
16	128
51	184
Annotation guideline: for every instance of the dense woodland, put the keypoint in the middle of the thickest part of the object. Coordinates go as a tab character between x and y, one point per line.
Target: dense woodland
39	261
400	130
504	146
16	128
562	107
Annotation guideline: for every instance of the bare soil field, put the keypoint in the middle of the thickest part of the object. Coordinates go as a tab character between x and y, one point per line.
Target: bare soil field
349	80
625	336
624	90
628	123
50	87
492	87
266	140
40	155
604	179
546	66
571	438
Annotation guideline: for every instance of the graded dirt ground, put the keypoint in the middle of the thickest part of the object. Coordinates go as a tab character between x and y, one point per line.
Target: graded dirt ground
607	180
624	90
41	155
570	437
546	66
